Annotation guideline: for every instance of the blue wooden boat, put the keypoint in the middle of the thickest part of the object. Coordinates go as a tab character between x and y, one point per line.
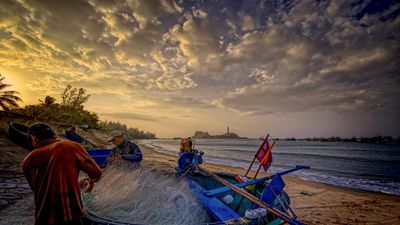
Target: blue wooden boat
18	134
74	137
100	156
219	211
227	206
224	205
210	194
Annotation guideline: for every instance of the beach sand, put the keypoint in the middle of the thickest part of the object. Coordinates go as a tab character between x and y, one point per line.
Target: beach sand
313	203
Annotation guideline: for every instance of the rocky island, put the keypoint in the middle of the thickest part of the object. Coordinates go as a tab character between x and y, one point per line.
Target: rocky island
206	135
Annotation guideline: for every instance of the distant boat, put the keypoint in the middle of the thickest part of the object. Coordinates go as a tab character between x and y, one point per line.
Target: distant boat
290	139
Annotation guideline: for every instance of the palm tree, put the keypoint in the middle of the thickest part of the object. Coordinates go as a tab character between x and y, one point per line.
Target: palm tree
8	99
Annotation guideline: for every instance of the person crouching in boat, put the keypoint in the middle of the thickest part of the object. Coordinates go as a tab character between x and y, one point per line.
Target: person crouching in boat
124	148
52	171
186	145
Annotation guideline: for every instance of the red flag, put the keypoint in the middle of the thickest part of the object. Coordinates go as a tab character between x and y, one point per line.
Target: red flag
264	155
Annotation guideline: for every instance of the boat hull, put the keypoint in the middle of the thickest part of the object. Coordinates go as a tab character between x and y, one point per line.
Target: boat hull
74	137
220	210
100	156
18	134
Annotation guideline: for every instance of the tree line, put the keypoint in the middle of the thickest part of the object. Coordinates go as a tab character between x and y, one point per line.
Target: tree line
70	111
132	133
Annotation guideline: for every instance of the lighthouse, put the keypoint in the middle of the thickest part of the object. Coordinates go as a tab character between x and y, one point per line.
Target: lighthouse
227	130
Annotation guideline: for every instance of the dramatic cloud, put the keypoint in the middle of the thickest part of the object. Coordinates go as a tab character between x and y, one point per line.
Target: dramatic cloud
307	60
160	61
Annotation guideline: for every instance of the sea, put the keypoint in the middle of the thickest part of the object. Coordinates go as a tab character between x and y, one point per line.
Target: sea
371	167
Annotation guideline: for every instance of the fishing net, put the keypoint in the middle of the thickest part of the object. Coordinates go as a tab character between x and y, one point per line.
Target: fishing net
143	195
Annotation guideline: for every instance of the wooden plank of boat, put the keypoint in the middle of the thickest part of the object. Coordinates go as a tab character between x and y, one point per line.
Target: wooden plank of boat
248	183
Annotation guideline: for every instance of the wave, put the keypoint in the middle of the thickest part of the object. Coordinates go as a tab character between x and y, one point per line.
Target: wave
324	156
362	159
233	160
338	176
389	187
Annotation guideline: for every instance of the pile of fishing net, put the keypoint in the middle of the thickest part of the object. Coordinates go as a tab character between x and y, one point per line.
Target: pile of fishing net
142	195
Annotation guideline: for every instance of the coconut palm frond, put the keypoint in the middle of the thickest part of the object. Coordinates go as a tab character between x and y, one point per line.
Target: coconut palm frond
8	99
4	106
4	86
10	92
10	102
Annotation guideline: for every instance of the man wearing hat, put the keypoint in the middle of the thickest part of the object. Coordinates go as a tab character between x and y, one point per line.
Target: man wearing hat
124	148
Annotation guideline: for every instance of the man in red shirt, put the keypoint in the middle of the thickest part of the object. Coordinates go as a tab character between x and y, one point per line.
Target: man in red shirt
52	171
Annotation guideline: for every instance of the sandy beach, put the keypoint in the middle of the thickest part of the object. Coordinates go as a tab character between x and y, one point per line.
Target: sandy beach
313	203
317	203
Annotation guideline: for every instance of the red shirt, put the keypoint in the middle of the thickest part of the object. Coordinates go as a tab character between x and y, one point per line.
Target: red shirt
52	171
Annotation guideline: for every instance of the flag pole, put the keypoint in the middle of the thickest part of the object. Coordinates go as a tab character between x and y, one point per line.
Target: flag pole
264	159
255	156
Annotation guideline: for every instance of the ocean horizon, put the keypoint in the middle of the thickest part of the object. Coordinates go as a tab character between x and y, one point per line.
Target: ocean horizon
370	167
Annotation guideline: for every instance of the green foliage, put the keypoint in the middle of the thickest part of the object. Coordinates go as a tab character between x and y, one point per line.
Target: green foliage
63	114
132	133
87	146
71	111
48	100
73	97
8	99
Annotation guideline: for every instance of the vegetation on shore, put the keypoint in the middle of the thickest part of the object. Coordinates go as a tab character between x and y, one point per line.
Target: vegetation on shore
71	111
374	140
8	99
132	133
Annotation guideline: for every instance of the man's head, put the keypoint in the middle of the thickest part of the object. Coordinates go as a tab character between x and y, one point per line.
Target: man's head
40	132
116	137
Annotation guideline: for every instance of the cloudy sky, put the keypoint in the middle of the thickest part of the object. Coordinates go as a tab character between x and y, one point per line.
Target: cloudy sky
288	68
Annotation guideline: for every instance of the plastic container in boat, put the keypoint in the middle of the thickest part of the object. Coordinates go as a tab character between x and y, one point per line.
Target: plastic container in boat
255	213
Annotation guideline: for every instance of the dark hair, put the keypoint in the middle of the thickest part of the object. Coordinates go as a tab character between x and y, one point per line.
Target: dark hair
41	131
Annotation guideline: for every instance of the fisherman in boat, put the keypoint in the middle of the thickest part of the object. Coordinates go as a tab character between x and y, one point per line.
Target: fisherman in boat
124	148
52	171
186	145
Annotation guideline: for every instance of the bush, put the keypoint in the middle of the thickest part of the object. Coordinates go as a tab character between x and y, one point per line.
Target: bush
132	133
71	111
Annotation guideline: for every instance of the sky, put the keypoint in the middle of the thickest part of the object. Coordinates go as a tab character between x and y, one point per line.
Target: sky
287	68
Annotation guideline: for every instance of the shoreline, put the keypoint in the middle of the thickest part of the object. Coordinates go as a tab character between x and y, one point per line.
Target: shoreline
227	167
361	186
314	202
